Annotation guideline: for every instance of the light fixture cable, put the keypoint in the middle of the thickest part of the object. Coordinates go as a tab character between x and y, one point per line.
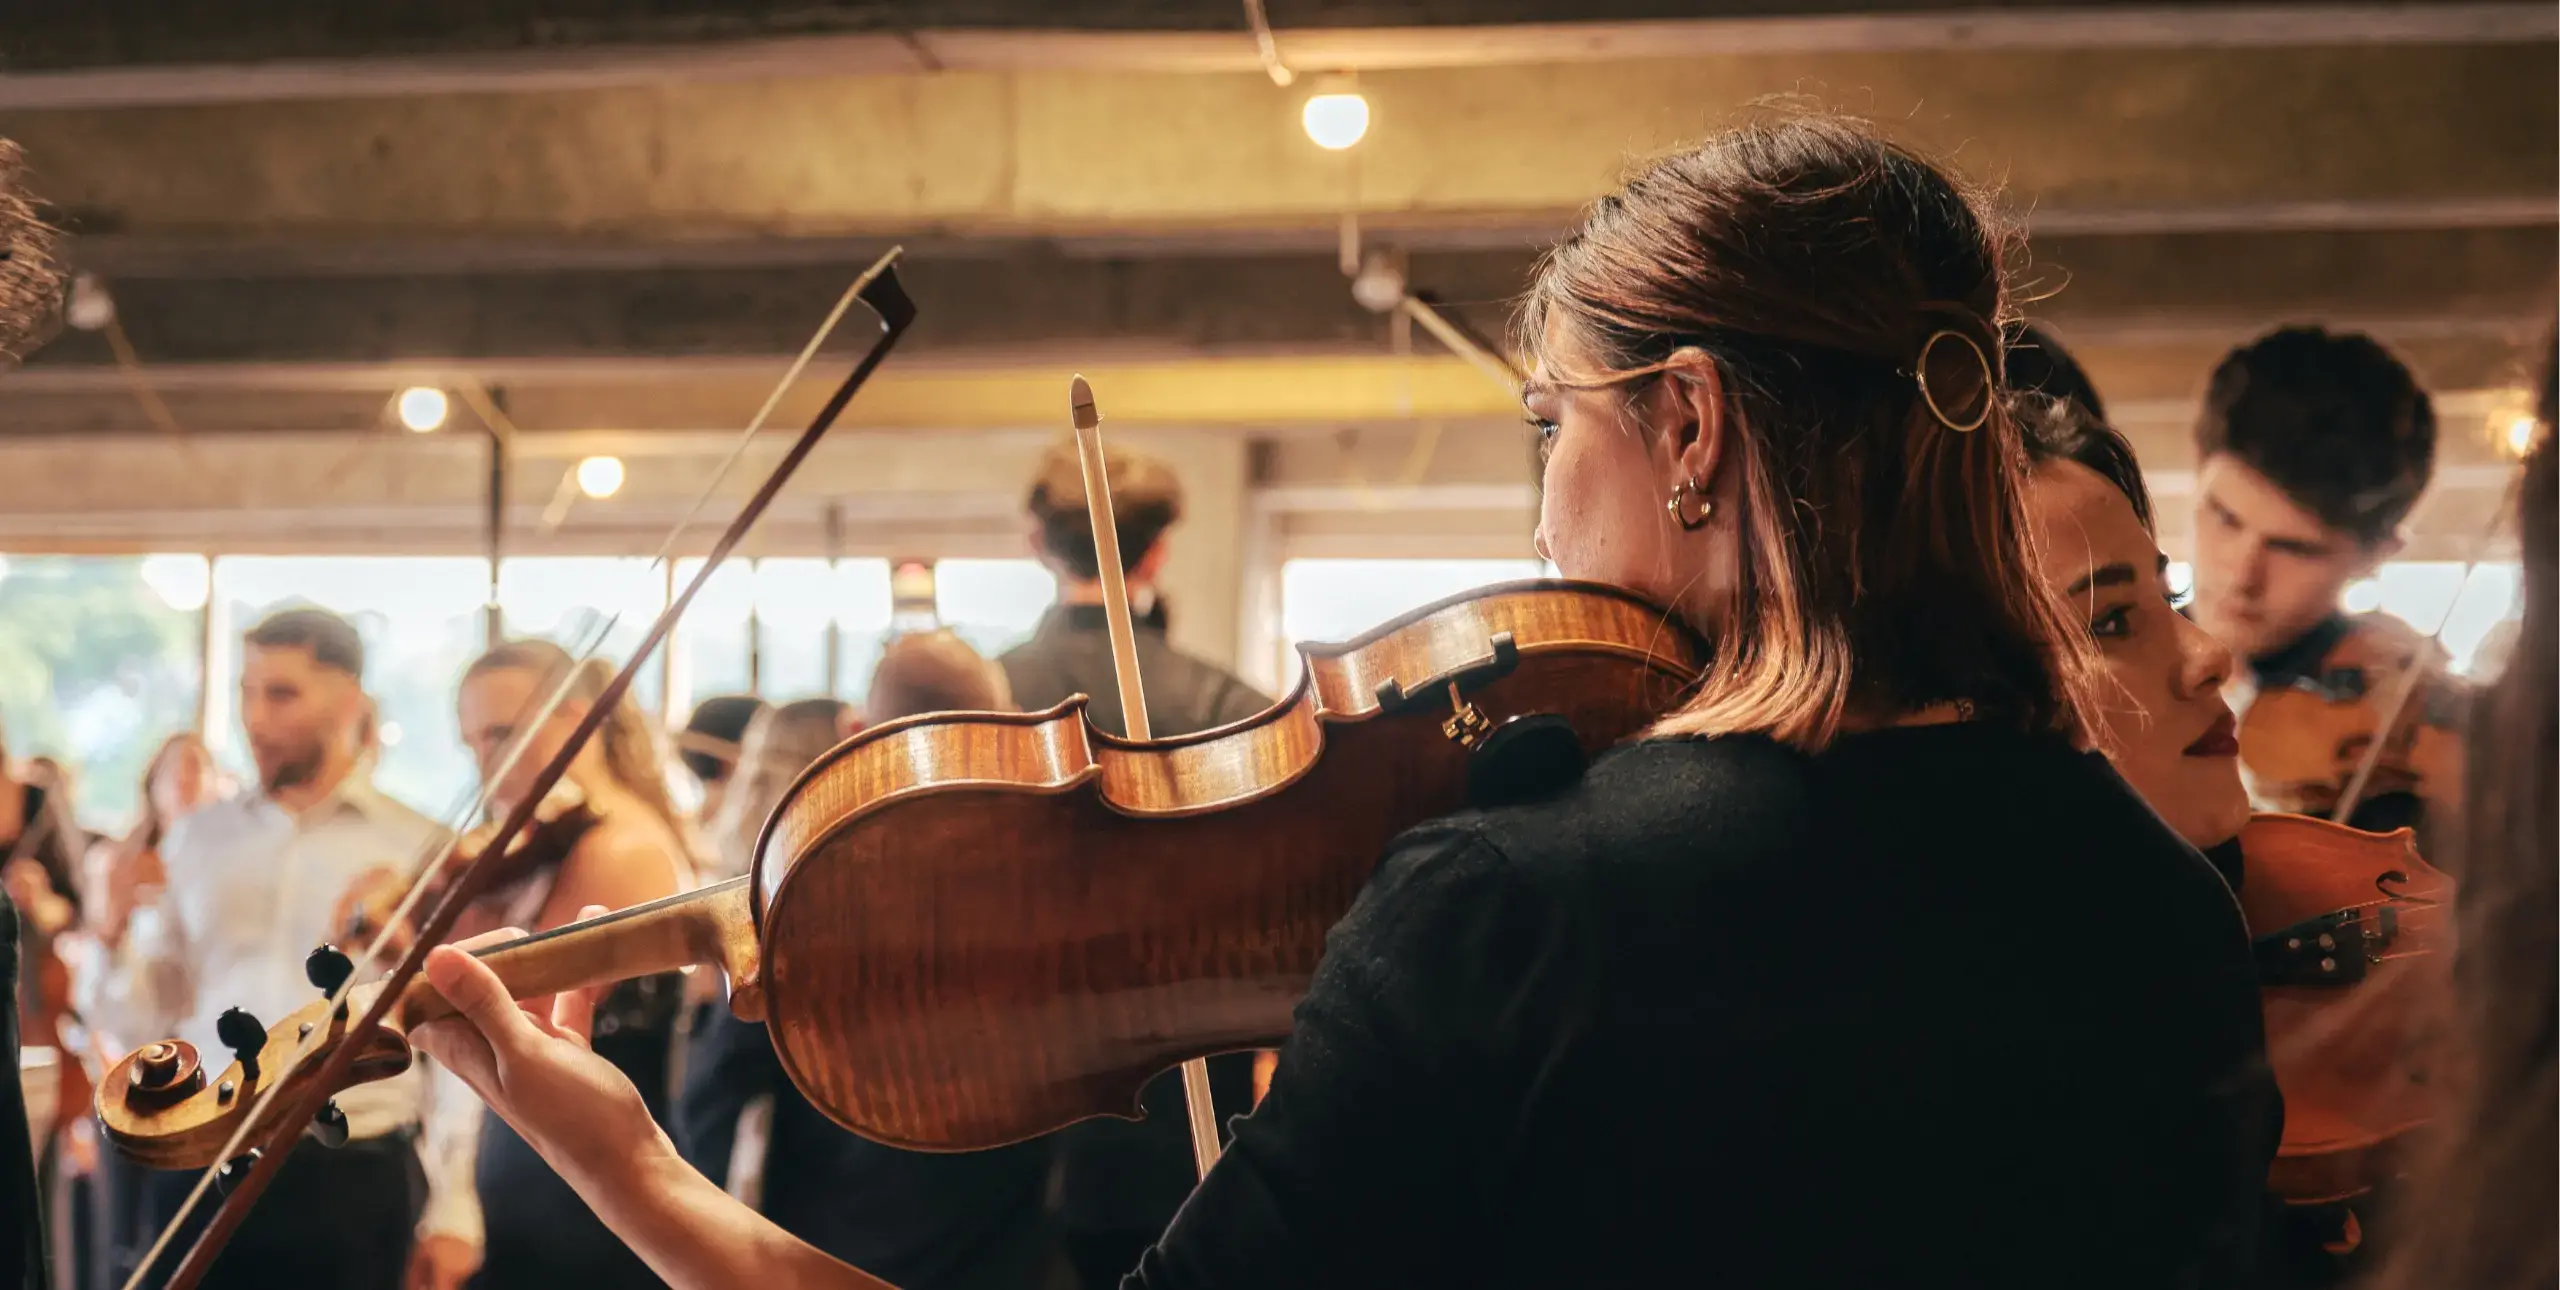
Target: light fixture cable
1265	45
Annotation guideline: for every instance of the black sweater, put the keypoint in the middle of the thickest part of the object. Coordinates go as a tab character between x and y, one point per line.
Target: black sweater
1941	1006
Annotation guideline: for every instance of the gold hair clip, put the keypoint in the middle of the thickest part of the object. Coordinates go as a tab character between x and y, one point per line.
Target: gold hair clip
1990	381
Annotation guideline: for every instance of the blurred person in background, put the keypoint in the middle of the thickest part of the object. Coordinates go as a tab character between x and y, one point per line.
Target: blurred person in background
2311	451
117	875
925	1221
250	886
502	1218
709	745
775	745
1120	1181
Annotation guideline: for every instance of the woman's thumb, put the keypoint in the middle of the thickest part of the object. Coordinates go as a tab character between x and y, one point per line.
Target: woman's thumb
475	992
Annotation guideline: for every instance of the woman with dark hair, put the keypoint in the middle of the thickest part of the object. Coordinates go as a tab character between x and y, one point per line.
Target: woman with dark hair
1826	981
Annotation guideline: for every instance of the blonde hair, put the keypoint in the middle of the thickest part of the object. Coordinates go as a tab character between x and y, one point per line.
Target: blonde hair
627	740
780	742
1827	277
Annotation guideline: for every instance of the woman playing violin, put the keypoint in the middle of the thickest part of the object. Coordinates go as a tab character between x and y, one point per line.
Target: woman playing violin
629	847
1858	972
2172	736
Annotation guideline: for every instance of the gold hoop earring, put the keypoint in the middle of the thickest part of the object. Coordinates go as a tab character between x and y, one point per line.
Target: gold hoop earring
1680	513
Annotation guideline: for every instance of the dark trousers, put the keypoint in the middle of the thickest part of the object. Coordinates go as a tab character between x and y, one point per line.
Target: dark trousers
341	1219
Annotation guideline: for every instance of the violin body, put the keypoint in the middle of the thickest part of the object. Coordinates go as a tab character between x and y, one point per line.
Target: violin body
969	929
2354	939
979	929
363	912
2301	743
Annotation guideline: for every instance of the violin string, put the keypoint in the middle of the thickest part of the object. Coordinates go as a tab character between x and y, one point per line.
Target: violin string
439	851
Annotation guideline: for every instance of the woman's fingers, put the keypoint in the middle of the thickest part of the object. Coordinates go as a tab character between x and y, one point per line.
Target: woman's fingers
476	993
486	939
573	1012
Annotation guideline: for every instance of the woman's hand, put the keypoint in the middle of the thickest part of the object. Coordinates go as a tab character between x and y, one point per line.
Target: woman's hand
532	1064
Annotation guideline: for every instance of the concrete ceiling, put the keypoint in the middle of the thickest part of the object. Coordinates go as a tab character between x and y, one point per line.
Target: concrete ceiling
624	214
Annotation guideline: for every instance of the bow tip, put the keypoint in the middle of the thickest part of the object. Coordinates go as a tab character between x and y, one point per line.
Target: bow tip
1080	397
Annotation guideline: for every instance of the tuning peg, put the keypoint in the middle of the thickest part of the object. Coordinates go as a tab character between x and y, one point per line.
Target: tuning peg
329	1127
235	1169
328	968
244	1035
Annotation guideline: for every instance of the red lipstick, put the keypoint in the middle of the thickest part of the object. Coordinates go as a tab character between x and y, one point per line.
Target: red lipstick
2223	740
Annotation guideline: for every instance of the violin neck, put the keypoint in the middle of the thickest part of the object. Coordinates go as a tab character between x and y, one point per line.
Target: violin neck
713	925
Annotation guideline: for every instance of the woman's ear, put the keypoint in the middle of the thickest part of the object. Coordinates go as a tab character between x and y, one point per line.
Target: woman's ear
1695	417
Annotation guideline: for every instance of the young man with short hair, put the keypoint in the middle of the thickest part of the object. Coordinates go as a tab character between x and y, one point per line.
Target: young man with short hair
2312	449
253	882
1119	1183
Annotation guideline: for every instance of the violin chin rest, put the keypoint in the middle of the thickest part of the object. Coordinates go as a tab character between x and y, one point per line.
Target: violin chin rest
1525	758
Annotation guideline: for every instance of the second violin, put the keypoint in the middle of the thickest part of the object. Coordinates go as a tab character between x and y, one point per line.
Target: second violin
968	929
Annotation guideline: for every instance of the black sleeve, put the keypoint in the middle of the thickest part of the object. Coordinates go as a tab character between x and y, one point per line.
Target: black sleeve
729	1062
1443	995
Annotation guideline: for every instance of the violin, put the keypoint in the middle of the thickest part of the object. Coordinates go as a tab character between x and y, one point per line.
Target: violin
965	930
2353	934
2304	746
563	819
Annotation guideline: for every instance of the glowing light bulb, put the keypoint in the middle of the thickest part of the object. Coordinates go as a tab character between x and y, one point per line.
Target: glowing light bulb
422	408
1335	120
2520	433
600	476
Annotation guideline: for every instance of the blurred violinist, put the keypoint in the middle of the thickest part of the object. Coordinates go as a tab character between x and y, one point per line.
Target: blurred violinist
1119	1183
250	885
929	1221
2312	449
1786	990
615	840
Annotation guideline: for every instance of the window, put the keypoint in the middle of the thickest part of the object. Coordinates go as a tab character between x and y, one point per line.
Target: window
2468	600
1335	600
793	601
992	604
714	650
98	664
862	623
583	604
421	621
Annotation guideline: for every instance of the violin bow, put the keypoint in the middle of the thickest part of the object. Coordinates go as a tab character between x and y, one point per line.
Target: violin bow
1133	704
2416	672
879	290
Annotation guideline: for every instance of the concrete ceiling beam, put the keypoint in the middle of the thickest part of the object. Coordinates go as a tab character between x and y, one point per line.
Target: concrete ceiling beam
2070	134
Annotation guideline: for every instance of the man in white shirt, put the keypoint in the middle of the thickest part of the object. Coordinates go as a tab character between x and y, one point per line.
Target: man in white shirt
252	883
